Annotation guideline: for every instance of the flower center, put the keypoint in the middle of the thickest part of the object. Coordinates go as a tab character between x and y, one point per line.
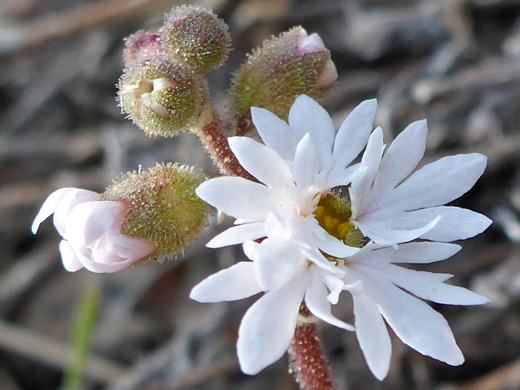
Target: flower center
333	215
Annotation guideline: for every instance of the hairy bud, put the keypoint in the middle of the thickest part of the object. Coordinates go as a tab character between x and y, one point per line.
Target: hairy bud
285	67
160	97
195	38
140	47
163	208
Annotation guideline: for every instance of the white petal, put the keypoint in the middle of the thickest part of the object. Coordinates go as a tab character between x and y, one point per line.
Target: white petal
68	203
372	335
268	327
276	262
307	116
335	286
336	248
88	221
237	197
430	286
403	155
306	164
414	322
70	261
238	235
261	161
275	132
353	133
455	224
114	248
380	234
438	183
316	300
364	178
411	253
236	282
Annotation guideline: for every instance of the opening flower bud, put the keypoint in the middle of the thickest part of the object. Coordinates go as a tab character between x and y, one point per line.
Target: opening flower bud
91	231
163	208
195	38
160	97
140	47
285	67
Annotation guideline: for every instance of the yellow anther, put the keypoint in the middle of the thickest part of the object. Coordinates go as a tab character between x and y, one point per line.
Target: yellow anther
330	223
320	210
343	229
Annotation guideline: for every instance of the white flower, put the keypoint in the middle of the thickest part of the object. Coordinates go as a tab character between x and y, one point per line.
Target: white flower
300	163
91	231
305	225
390	204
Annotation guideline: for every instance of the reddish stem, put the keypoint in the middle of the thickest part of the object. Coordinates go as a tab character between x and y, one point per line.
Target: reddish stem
307	360
214	139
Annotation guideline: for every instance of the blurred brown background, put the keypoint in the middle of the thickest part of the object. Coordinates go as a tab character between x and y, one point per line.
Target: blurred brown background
456	63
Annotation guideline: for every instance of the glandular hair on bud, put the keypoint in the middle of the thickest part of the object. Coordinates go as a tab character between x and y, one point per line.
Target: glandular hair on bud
195	38
163	208
160	97
275	74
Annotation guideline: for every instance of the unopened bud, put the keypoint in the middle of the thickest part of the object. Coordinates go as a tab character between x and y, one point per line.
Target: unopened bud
163	208
140	47
285	67
160	97
195	38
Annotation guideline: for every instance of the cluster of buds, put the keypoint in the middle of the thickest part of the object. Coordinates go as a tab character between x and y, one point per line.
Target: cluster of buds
162	88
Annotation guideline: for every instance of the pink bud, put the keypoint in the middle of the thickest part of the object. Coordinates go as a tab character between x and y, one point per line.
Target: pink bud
311	44
141	46
91	231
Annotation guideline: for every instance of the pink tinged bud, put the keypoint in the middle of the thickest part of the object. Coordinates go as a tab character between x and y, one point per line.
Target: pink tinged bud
140	47
91	231
313	44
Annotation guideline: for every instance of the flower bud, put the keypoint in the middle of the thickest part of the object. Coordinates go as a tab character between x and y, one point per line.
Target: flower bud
195	38
163	208
141	46
160	97
91	231
285	67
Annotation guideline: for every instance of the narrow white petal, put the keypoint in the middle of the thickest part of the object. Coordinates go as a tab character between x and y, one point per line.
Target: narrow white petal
372	335
411	253
236	282
129	248
403	155
276	262
306	164
431	286
316	300
353	133
70	261
380	234
307	116
261	161
237	197
335	286
268	327
238	235
438	183
414	322
275	132
364	178
88	221
334	247
455	224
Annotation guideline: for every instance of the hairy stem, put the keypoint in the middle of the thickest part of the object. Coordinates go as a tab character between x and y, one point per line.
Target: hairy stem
214	139
307	359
